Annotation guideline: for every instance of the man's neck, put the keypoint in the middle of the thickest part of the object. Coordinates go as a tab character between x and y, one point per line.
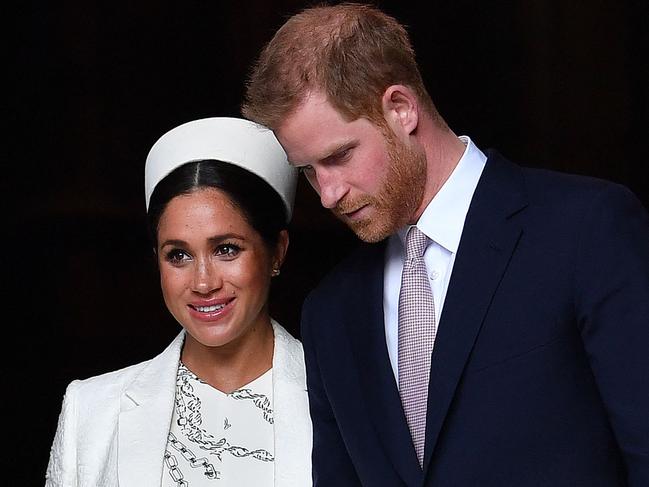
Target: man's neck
443	151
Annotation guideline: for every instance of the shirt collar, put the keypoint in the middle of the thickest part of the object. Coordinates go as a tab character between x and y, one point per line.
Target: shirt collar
443	219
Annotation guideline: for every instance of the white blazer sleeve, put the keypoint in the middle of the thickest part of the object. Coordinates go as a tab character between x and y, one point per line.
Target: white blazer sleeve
61	469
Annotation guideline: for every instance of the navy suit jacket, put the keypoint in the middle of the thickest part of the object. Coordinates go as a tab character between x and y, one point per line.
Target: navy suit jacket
540	372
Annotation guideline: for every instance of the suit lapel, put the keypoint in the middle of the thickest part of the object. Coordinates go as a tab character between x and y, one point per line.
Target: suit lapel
147	408
367	335
145	416
488	241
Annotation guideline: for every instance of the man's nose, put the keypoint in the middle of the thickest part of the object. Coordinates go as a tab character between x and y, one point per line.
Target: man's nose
330	187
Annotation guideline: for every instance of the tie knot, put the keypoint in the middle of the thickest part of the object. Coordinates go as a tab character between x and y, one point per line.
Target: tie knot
415	243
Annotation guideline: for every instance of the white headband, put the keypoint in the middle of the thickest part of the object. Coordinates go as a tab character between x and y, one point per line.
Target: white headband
240	142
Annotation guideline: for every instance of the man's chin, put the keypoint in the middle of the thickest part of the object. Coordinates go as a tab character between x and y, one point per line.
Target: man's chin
371	227
369	231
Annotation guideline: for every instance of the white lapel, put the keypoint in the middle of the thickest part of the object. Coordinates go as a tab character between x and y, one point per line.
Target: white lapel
145	415
147	407
293	433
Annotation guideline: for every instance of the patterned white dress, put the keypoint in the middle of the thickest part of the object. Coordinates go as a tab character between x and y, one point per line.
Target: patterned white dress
219	439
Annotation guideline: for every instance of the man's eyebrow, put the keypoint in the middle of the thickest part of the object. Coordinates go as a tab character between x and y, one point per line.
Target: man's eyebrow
327	154
342	147
331	152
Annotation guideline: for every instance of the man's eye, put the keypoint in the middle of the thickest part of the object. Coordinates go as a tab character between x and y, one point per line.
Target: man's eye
306	170
343	155
228	250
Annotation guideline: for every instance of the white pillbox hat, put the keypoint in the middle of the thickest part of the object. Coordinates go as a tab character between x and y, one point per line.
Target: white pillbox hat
235	140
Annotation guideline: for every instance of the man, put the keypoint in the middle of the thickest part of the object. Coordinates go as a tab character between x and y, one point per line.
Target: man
509	348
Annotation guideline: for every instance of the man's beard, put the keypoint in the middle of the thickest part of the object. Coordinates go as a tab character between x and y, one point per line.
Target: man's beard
398	197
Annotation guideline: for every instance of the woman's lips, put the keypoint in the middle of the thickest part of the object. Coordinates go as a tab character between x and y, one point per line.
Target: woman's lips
211	311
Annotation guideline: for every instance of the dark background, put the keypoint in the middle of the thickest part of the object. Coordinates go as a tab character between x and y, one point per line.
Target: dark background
555	84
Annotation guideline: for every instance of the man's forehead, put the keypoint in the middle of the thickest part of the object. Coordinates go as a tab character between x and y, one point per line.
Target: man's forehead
313	131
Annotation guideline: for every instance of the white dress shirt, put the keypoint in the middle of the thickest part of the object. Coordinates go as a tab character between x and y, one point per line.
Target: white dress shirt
442	221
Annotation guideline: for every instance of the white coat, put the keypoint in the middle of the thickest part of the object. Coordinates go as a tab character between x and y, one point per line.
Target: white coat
113	428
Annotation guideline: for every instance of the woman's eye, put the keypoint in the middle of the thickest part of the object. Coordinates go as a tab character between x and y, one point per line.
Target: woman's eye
177	256
228	250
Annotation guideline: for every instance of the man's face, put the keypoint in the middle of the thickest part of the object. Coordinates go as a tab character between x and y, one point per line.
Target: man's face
369	179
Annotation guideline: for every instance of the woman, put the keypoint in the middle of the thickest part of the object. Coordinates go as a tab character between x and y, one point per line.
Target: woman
226	402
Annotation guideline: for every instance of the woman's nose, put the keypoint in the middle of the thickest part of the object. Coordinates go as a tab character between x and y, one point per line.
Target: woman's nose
207	278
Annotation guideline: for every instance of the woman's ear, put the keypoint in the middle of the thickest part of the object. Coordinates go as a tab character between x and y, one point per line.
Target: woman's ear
400	109
280	250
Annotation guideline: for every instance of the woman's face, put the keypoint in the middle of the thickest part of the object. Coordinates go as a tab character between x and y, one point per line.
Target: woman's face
215	269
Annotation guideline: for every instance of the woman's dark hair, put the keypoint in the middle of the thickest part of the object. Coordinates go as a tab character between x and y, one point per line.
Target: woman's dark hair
261	206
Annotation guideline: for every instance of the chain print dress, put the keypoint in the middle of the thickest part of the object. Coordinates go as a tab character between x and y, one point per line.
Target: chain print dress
219	439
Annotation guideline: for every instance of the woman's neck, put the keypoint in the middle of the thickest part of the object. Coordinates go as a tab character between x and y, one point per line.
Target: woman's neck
231	366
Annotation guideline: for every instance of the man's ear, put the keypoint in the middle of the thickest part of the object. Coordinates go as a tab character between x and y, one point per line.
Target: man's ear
400	109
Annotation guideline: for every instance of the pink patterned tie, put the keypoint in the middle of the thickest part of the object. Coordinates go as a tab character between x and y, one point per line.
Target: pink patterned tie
416	337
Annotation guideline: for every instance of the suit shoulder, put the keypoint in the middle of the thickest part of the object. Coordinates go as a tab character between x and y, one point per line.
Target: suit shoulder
560	191
566	195
286	339
557	182
115	381
109	384
553	183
